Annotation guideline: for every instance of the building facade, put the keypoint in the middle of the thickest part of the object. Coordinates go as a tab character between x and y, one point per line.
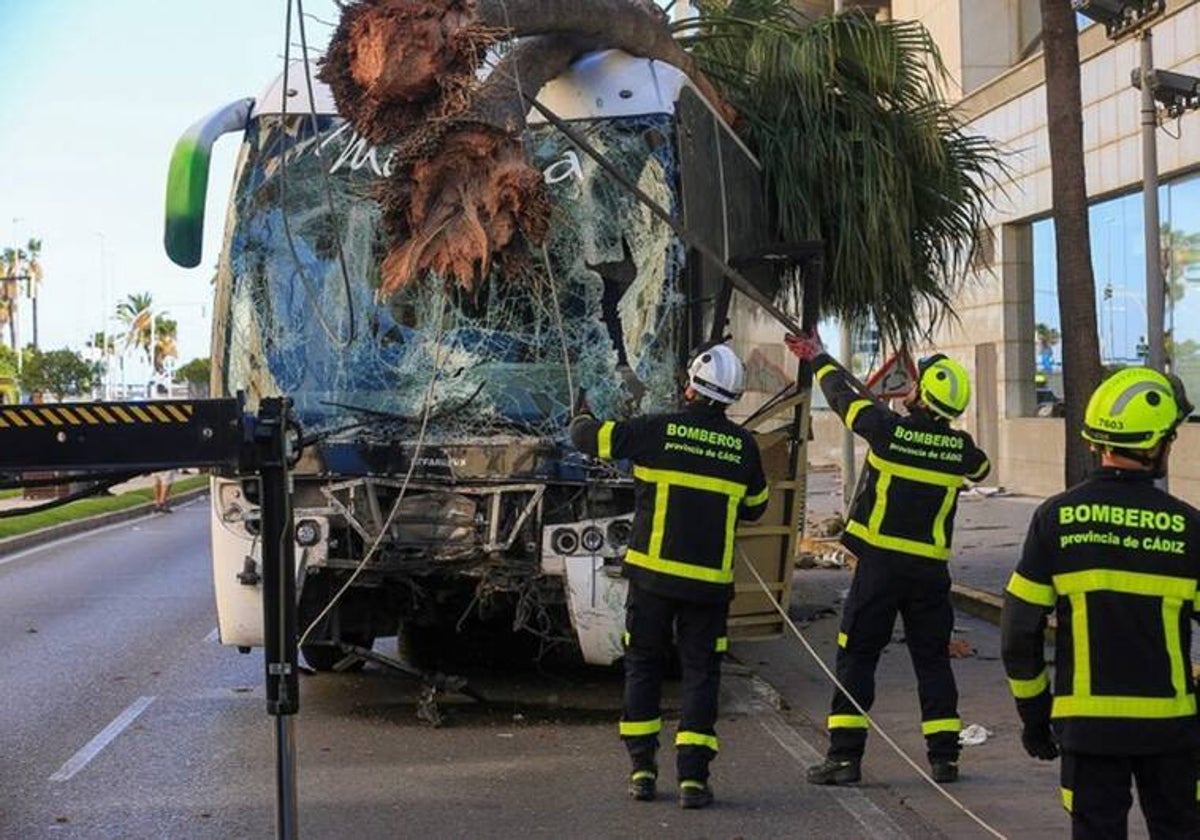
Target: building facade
1007	333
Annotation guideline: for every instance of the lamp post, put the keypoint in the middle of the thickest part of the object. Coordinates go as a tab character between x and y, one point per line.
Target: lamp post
1178	93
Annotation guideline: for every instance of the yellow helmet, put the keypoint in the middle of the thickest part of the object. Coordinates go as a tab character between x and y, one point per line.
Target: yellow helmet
1135	408
944	385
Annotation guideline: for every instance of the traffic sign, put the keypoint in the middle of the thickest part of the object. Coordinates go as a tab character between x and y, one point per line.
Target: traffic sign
896	377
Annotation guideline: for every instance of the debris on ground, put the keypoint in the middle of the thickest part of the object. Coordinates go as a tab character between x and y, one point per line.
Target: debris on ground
986	492
974	735
828	526
961	649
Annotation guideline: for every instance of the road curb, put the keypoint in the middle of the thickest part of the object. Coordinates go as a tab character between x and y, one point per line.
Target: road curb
977	602
11	545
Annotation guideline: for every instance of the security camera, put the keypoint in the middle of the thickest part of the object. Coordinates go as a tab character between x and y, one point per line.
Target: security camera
1119	16
1177	92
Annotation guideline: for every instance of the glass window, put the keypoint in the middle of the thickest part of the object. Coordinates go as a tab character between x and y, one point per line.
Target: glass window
1118	263
1181	271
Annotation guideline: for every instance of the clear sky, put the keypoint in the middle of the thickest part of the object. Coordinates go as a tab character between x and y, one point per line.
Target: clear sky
94	96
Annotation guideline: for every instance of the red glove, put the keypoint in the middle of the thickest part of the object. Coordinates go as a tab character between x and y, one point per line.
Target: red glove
805	347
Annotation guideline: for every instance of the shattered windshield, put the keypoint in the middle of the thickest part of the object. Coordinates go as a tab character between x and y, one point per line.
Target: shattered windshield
596	310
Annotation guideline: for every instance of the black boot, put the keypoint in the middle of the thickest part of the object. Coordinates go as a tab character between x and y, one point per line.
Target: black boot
944	770
834	772
693	794
643	785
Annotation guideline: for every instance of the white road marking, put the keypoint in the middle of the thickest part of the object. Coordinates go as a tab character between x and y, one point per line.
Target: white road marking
93	747
875	823
754	695
212	636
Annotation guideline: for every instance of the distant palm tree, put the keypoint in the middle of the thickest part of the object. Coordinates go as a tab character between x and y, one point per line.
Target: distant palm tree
11	260
33	271
152	333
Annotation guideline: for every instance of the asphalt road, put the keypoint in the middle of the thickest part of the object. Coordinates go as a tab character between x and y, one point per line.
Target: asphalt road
120	716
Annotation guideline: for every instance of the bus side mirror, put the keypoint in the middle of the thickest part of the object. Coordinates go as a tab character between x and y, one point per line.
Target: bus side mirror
187	181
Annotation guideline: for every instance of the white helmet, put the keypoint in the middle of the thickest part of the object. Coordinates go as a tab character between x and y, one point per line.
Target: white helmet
717	373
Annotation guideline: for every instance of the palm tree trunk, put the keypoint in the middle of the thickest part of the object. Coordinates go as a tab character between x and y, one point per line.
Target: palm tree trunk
1076	284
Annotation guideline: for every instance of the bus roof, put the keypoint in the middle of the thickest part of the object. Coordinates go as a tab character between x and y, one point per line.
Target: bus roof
609	83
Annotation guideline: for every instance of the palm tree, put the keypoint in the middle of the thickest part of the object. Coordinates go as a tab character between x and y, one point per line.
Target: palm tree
1076	282
153	333
33	270
11	260
857	146
859	150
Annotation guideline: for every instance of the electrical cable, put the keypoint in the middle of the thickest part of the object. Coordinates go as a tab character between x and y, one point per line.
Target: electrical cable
858	706
287	228
325	176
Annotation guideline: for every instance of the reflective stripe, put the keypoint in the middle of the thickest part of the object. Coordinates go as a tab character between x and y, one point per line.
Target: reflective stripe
1171	608
1068	798
842	639
692	784
1027	689
982	471
1129	583
722	644
1039	594
914	473
1081	680
1198	791
897	543
658	523
696	482
825	371
664	480
1148	708
847	722
625	639
757	498
932	727
672	567
635	728
643	774
604	439
875	521
855	408
939	521
697	739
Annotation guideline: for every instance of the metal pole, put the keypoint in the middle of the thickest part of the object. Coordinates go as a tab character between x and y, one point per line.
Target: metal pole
279	606
1155	335
849	465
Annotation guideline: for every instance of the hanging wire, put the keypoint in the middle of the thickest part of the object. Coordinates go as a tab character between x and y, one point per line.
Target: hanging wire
858	706
287	230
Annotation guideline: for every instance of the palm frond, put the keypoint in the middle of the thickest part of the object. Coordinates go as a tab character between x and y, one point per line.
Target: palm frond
859	150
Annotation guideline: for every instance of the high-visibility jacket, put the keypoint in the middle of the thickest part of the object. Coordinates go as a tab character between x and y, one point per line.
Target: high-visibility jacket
915	467
695	473
1118	561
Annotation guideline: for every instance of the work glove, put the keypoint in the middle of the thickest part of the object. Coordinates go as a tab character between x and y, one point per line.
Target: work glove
805	347
1039	742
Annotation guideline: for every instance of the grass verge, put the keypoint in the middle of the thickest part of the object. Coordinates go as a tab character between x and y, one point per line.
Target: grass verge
16	525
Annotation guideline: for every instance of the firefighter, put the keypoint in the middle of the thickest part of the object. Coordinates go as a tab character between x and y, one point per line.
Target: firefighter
1118	560
899	526
695	474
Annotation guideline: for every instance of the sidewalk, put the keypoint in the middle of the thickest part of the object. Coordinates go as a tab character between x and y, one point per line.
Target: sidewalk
988	531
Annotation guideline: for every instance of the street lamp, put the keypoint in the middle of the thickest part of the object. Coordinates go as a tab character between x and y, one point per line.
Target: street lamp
1120	17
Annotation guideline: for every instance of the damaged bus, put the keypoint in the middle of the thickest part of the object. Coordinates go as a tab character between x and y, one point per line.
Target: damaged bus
437	498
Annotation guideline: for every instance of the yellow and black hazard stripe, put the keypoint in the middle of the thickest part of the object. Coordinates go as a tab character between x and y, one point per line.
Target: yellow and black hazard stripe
95	414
